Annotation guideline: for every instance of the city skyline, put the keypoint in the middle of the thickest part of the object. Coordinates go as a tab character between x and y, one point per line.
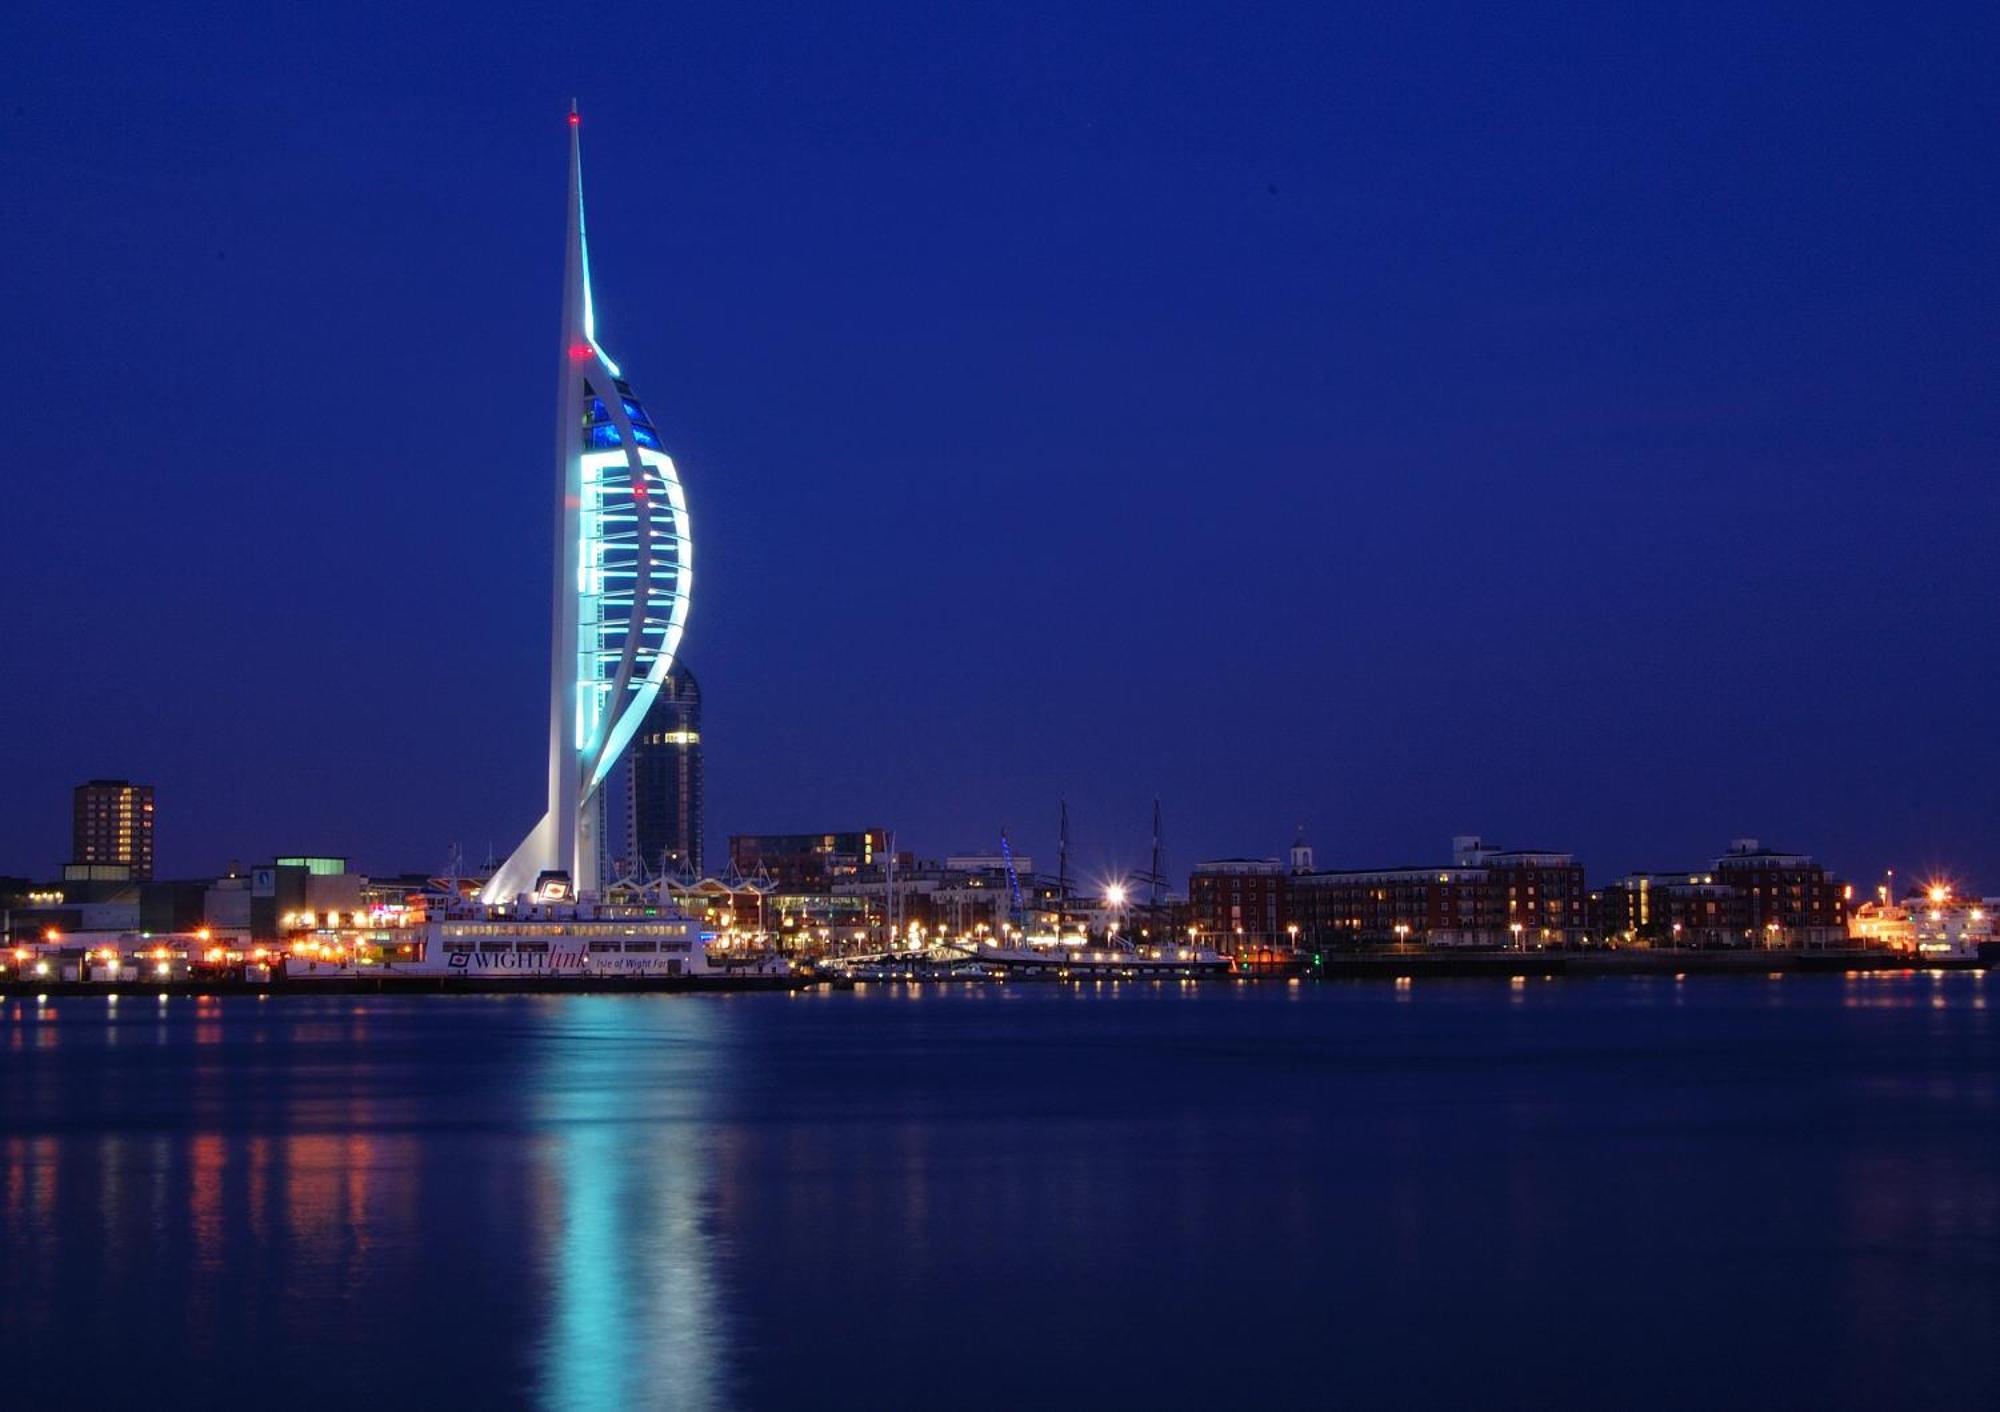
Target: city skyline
672	815
1618	523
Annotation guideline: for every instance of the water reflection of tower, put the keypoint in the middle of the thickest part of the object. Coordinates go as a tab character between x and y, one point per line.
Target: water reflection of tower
665	779
626	1192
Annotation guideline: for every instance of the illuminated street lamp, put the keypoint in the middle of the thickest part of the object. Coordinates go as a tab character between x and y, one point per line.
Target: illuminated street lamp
1515	927
1293	928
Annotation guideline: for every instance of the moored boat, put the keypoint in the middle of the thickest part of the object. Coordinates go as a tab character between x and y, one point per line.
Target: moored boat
1067	960
541	941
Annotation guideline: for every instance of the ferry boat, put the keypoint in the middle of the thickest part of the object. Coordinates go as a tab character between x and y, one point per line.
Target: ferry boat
552	939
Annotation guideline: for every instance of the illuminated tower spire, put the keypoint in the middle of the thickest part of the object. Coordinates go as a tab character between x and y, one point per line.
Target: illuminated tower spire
622	573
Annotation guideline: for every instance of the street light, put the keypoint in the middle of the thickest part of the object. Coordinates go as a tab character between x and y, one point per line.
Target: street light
1515	927
1293	928
1402	930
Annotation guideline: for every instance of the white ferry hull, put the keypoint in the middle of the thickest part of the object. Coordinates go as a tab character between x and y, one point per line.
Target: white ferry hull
570	945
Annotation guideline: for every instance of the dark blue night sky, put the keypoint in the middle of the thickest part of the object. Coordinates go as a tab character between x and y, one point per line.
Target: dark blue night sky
1569	422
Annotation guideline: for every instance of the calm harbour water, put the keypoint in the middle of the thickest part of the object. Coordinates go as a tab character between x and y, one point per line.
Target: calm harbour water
1639	1192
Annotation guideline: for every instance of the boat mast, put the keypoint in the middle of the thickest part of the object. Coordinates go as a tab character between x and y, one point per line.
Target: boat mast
1157	874
1062	871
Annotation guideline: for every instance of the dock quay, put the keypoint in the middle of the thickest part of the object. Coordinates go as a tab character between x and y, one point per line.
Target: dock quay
1508	964
413	985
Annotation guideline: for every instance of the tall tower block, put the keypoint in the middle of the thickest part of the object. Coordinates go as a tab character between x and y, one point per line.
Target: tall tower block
664	775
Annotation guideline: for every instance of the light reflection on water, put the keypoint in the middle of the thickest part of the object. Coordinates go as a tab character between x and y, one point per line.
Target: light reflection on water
317	1203
1776	1194
623	1183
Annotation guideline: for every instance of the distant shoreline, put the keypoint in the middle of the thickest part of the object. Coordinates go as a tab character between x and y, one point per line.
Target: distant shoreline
1636	963
1429	966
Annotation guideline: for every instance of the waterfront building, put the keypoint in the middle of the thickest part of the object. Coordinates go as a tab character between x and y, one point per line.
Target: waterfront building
819	921
61	910
96	882
1485	897
1786	899
721	904
1751	896
226	905
1238	902
172	906
622	575
807	862
665	780
112	825
1669	909
990	863
968	896
300	893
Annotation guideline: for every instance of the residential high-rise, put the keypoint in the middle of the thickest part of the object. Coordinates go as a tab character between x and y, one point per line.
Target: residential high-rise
112	823
622	575
665	779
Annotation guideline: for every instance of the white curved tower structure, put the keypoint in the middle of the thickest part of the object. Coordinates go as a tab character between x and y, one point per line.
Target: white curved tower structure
622	573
